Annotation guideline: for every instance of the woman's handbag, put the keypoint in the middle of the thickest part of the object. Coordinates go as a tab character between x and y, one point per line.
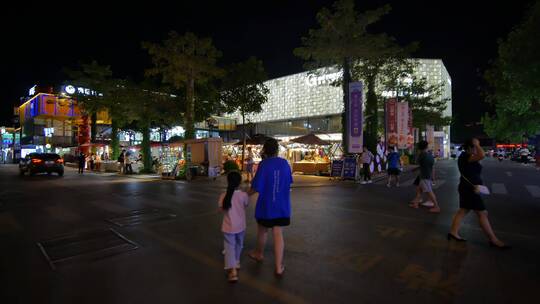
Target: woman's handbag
478	189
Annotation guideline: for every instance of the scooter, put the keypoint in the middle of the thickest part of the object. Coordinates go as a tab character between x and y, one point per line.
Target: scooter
500	157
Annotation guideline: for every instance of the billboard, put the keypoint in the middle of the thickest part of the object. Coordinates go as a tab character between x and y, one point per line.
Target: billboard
354	117
391	122
402	124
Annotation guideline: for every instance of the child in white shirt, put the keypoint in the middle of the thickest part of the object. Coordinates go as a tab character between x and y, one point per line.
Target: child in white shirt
233	203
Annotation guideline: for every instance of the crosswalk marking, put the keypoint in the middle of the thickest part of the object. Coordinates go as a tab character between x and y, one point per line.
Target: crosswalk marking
533	190
498	188
509	173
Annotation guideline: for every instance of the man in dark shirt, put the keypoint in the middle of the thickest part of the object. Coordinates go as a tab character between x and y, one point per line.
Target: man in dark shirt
425	183
82	161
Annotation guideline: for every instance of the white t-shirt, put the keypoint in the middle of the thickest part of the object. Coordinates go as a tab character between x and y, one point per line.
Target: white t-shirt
234	219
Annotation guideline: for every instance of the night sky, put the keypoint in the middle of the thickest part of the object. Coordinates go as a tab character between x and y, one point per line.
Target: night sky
38	40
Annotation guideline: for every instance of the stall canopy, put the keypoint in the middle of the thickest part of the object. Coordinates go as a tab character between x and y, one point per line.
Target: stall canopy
257	139
310	139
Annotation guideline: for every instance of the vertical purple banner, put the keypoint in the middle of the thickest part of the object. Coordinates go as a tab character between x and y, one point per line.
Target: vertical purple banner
355	119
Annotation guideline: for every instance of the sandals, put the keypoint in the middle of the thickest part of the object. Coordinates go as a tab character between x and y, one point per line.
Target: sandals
280	274
257	259
232	277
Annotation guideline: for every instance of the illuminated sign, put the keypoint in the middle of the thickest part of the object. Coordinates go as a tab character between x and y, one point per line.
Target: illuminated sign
32	91
48	132
326	79
72	90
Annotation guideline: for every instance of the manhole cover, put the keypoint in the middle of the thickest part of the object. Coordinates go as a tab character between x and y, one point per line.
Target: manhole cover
142	216
93	244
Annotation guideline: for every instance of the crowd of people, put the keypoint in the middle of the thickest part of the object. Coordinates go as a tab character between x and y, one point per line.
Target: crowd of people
91	162
125	161
273	179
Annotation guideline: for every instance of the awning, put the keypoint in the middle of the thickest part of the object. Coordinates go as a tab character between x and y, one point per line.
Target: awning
310	139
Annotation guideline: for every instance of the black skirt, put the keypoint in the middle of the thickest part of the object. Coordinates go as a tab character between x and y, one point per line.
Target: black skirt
470	200
269	223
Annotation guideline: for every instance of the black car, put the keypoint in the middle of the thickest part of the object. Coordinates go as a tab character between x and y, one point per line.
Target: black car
42	163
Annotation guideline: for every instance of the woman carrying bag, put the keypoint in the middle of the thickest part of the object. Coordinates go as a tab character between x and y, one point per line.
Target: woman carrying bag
470	188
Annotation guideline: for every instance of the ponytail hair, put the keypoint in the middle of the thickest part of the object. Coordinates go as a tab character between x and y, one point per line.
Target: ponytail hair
233	181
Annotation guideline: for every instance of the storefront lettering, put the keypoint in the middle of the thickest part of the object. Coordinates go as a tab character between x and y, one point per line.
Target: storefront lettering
71	90
327	79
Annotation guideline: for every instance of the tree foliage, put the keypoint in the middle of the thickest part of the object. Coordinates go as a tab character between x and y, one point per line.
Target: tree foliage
425	100
244	90
514	82
97	78
151	106
185	62
341	40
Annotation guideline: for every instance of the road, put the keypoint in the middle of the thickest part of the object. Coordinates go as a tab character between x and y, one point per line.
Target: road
115	239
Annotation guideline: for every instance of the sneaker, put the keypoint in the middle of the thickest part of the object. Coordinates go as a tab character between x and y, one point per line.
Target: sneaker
363	182
388	185
428	204
370	182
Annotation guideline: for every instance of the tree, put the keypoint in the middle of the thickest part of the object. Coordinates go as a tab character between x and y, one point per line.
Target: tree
150	106
185	62
341	40
425	100
514	82
96	78
118	105
245	91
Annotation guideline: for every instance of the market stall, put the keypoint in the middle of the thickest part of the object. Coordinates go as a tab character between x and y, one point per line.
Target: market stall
308	154
205	157
254	142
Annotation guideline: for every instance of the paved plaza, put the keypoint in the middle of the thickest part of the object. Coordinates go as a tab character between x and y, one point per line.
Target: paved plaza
102	238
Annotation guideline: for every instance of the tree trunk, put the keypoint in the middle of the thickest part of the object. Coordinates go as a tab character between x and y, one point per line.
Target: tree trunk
145	148
190	108
244	140
93	130
115	142
372	121
344	115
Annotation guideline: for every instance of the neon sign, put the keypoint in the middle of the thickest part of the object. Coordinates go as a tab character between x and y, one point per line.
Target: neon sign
72	90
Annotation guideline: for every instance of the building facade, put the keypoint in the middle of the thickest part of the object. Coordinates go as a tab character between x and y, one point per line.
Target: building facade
304	102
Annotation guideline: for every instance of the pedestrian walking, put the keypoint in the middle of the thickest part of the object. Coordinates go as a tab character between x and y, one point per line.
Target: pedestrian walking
233	204
469	198
366	158
92	160
424	182
249	164
82	162
128	169
98	162
273	183
524	153
394	167
121	161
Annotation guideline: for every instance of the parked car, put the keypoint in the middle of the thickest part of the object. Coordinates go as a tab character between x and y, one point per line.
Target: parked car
41	163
